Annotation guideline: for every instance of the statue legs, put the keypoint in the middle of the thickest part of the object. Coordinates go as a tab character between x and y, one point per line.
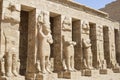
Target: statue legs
2	63
14	65
48	65
72	63
68	63
9	64
43	63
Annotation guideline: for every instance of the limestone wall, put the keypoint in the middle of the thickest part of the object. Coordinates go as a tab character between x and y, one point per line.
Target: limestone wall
35	34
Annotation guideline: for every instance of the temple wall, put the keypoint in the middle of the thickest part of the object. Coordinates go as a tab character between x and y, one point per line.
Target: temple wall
77	39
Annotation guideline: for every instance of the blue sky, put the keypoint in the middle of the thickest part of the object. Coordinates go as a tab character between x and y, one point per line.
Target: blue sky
96	4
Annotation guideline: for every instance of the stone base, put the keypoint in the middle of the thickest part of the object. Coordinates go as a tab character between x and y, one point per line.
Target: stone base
52	76
13	78
86	73
95	72
103	71
69	75
117	70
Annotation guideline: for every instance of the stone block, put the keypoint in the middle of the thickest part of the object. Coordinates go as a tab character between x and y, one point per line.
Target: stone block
12	78
86	73
116	70
52	76
103	71
69	75
95	72
60	74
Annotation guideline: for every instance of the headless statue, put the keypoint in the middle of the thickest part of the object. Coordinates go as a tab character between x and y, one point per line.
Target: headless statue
68	50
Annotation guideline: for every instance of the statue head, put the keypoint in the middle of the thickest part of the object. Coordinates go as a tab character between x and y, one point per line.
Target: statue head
12	7
85	25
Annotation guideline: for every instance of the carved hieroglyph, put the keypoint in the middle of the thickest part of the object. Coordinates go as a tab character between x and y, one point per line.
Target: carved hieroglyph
10	39
44	40
87	53
68	44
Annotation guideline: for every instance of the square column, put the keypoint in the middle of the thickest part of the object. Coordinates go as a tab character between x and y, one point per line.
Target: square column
10	63
57	44
113	61
32	45
76	35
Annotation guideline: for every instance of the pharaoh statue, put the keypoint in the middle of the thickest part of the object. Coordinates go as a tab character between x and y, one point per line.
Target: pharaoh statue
87	53
10	40
87	57
101	61
44	41
113	61
68	52
68	45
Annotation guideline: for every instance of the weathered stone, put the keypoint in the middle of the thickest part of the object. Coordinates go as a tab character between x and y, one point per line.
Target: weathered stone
116	70
86	72
103	71
52	39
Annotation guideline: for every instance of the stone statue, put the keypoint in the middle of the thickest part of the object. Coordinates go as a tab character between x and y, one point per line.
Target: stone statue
87	53
68	52
12	12
10	39
2	66
11	63
101	59
104	64
44	41
66	24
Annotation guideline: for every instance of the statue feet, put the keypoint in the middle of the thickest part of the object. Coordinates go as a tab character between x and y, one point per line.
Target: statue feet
49	71
9	74
15	73
44	71
74	70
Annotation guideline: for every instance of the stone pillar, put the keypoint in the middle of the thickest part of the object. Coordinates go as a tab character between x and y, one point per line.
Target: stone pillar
57	44
93	37
32	47
113	62
100	49
10	38
86	45
106	44
78	48
117	43
66	37
0	22
87	61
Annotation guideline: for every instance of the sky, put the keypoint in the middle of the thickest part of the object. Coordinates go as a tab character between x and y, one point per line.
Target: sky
96	4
